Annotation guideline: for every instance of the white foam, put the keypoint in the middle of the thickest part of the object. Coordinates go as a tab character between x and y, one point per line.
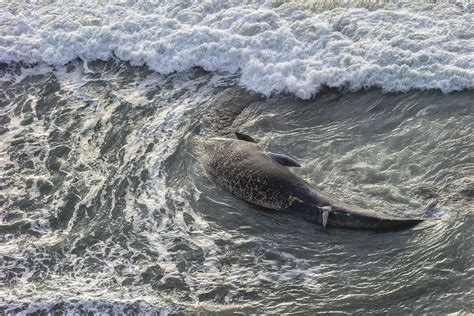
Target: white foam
275	48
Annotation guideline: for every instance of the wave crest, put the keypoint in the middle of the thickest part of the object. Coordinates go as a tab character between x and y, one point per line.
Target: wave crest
275	49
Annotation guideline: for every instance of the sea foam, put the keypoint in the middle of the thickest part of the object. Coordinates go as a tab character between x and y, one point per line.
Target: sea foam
274	47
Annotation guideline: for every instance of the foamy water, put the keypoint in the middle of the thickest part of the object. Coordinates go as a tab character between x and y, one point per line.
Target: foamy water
105	206
275	47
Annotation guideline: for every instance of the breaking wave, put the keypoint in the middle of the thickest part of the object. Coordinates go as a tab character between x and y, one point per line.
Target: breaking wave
273	46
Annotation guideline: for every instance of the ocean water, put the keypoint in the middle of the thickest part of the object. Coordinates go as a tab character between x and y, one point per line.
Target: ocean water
105	206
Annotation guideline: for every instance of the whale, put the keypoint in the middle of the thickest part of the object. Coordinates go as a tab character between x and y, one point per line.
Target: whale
264	178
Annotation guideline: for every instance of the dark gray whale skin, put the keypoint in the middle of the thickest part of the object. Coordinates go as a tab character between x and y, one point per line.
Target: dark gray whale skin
245	169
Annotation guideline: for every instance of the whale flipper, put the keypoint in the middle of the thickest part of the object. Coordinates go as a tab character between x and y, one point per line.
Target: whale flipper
284	160
325	215
245	137
325	218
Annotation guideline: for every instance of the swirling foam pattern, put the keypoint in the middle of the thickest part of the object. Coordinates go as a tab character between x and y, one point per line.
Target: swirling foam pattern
105	206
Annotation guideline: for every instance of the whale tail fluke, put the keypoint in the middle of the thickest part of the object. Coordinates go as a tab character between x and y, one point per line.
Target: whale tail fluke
431	209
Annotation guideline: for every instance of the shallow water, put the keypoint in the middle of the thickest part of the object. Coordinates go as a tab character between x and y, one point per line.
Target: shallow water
105	205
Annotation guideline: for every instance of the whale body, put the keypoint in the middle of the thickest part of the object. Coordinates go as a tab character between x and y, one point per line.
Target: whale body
244	169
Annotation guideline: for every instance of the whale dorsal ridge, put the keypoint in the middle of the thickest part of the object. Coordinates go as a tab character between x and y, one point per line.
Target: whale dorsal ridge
245	137
284	160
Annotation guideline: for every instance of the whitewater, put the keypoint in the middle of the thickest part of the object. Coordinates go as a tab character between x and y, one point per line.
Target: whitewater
273	46
106	208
